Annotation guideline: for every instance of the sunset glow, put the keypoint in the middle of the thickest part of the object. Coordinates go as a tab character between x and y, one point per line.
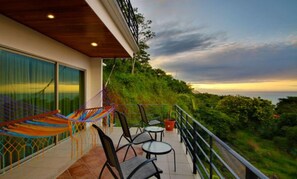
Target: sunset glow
38	87
289	85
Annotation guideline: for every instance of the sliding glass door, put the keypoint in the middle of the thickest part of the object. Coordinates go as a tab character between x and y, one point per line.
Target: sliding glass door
71	89
26	86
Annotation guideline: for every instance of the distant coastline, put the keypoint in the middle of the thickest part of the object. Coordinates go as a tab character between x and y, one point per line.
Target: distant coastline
273	96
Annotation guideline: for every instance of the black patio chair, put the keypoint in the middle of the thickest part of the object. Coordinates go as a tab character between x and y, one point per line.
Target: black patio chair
144	119
136	167
132	139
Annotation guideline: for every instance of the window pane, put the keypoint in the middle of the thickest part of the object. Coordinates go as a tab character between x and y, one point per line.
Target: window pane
71	89
26	86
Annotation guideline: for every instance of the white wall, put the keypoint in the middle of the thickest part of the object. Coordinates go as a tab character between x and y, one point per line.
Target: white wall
18	37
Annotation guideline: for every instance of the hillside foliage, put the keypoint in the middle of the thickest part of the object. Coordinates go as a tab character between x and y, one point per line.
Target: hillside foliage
263	133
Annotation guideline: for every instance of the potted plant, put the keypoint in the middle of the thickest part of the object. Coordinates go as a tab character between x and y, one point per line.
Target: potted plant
169	122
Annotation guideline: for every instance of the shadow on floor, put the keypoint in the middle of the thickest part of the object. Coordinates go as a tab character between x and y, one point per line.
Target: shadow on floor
89	165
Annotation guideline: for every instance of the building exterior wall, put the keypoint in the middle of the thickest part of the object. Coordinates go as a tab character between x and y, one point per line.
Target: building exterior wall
18	37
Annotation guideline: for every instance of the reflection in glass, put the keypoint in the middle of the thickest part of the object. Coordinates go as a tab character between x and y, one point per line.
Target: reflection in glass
26	86
71	89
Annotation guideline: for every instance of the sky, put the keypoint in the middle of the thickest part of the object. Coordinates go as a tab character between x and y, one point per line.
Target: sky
225	46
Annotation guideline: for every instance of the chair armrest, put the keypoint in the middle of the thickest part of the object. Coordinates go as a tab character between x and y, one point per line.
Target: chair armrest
143	164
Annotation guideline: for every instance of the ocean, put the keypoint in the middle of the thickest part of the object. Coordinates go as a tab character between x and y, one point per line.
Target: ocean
273	96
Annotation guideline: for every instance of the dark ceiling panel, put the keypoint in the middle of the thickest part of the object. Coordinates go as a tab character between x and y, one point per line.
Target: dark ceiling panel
75	24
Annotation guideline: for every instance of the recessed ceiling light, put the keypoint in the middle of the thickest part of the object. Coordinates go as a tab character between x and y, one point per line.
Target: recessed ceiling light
50	16
94	44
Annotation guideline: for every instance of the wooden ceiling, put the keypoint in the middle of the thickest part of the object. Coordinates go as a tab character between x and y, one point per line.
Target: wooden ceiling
75	24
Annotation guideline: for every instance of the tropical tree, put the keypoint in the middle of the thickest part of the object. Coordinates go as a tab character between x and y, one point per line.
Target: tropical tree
144	35
218	122
287	105
245	110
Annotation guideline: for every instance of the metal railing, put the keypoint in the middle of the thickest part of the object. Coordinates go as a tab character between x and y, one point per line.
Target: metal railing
211	157
128	13
133	115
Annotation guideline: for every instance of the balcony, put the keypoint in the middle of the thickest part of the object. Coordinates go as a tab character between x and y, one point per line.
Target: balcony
57	161
199	153
128	13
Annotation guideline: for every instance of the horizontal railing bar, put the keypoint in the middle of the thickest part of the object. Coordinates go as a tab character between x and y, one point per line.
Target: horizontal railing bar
241	159
225	164
217	171
203	166
189	143
191	155
187	122
189	133
203	152
231	151
183	125
191	127
199	171
200	125
202	139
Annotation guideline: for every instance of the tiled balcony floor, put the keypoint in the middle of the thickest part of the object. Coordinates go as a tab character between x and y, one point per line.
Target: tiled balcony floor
89	166
57	162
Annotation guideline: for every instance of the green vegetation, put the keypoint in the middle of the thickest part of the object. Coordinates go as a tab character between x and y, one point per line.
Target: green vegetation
265	155
247	124
264	134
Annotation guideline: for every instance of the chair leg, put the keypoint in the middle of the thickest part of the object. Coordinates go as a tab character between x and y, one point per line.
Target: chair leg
138	128
126	152
112	172
119	141
134	150
102	169
174	160
130	145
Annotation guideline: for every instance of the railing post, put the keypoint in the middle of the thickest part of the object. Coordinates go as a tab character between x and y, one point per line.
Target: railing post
177	117
210	157
187	134
181	126
249	174
195	147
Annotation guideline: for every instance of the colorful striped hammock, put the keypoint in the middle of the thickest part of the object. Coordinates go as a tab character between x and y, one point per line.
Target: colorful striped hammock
41	125
91	114
51	123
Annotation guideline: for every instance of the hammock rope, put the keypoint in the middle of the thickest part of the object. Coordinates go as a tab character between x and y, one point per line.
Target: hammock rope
90	115
41	125
51	123
26	129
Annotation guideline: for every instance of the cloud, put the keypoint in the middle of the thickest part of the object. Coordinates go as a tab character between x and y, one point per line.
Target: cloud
173	38
234	63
